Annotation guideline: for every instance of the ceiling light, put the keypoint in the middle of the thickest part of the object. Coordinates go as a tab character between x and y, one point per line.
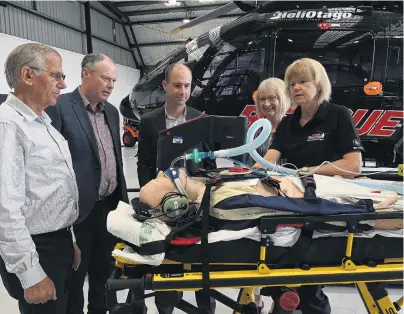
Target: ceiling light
172	3
290	40
207	1
186	20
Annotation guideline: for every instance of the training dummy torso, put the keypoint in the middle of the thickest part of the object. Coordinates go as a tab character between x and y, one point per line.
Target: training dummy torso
252	199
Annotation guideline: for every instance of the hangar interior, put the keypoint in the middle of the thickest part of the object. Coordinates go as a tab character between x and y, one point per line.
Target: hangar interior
138	35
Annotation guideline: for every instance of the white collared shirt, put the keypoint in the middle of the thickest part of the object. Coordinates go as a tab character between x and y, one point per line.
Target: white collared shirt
38	190
171	121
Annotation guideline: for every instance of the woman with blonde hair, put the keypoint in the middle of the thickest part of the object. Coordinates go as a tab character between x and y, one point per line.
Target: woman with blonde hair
271	103
316	132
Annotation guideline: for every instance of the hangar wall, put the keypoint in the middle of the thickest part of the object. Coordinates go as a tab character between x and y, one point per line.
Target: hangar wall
126	77
61	24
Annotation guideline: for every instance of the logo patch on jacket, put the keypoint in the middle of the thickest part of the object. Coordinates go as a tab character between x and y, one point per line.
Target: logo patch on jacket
357	144
319	136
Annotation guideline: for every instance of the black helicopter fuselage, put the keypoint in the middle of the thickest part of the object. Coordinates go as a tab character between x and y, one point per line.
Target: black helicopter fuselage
356	45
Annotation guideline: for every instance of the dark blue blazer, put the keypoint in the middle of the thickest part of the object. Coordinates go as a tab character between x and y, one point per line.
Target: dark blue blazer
70	118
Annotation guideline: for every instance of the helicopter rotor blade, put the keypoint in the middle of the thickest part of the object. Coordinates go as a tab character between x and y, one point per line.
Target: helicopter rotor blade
206	17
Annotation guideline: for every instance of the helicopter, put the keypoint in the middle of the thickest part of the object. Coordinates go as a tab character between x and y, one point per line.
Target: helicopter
359	44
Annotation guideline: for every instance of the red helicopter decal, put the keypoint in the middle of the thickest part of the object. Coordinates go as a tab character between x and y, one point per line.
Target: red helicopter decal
382	123
379	123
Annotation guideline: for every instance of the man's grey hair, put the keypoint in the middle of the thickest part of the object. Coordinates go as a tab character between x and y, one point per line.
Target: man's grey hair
90	60
31	55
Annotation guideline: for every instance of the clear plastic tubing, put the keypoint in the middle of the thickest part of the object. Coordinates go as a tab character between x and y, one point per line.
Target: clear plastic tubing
251	146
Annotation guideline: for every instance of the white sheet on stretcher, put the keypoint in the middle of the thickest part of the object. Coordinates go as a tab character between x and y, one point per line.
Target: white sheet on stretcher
350	191
121	223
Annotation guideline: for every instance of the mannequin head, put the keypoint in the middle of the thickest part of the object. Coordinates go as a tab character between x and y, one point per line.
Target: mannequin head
154	191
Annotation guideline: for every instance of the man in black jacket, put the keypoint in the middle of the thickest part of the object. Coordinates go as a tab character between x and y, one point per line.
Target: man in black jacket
90	125
177	84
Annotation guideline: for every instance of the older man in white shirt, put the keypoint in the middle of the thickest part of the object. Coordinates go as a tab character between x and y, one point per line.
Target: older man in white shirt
38	192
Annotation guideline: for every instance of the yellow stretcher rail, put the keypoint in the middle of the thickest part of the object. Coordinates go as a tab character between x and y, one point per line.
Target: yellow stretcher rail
400	169
369	279
325	275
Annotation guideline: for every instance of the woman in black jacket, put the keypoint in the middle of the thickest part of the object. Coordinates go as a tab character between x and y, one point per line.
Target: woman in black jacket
317	132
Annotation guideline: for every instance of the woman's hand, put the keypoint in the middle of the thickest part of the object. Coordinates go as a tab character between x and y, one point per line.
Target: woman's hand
348	167
258	166
272	156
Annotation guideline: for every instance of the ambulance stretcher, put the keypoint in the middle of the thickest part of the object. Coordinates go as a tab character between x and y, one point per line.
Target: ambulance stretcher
368	262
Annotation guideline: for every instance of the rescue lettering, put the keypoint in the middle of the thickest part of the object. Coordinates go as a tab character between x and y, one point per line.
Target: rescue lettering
377	123
381	123
385	126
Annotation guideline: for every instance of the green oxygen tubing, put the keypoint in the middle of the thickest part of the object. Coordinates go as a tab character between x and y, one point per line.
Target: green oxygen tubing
250	147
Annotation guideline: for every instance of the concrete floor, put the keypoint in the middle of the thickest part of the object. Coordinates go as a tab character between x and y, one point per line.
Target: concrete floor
344	300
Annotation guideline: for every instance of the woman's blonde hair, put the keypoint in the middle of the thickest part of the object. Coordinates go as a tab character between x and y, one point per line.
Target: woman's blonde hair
277	86
309	69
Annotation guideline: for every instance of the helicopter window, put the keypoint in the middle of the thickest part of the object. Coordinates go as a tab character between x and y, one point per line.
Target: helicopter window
193	56
217	60
235	71
232	75
394	68
346	55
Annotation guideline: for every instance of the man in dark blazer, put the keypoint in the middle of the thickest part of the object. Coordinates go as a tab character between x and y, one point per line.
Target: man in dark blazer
177	84
91	127
150	124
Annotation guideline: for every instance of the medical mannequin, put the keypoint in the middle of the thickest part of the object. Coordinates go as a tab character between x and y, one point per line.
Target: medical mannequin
154	191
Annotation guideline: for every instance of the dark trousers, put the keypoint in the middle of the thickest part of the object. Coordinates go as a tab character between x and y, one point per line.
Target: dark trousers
55	252
96	245
312	300
167	300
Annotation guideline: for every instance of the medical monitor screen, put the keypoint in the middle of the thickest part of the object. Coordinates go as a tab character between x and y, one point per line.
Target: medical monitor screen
206	133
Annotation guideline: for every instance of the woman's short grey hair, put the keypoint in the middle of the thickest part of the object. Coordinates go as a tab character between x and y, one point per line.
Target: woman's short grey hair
277	86
90	60
309	69
31	55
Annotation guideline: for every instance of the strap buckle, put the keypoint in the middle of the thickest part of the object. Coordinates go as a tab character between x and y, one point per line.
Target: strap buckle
271	182
309	182
213	178
309	186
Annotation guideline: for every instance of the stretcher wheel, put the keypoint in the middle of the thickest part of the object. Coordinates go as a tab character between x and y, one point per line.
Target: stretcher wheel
121	309
289	301
305	267
252	308
371	263
245	297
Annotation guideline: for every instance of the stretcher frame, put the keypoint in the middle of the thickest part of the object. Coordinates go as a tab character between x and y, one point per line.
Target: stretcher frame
370	280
